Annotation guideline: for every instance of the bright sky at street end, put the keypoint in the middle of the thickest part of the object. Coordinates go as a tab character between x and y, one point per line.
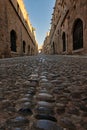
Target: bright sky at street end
40	14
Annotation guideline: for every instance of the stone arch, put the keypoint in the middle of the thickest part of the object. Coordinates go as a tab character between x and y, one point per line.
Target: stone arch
13	40
28	49
24	46
64	41
78	34
53	48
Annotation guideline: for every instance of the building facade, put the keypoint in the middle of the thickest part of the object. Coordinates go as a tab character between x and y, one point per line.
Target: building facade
46	45
68	33
17	36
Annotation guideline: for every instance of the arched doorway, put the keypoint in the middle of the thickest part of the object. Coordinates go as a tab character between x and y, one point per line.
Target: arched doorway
78	34
53	48
24	45
64	41
13	40
28	49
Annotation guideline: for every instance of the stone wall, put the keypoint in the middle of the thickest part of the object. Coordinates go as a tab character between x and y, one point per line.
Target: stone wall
66	13
13	19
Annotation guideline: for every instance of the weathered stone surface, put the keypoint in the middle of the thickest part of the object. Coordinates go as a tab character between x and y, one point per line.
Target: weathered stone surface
5	104
46	85
24	100
45	104
45	125
26	83
45	117
45	97
43	91
42	77
25	111
67	123
17	122
44	110
64	100
17	129
60	108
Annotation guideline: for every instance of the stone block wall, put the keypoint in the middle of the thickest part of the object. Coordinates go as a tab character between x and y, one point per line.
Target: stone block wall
10	20
65	15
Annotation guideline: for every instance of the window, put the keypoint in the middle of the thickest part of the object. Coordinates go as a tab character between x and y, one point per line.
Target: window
53	48
13	40
24	45
78	34
28	48
64	41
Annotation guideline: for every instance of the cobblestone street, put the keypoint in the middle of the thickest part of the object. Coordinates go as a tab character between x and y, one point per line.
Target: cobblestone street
43	93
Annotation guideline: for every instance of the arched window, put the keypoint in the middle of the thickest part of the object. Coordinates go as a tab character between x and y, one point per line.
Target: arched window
13	40
78	34
24	45
64	41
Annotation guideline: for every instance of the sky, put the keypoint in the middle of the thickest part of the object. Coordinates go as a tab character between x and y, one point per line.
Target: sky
40	14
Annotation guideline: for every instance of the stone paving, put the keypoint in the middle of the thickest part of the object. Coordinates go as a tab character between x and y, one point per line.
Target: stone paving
43	93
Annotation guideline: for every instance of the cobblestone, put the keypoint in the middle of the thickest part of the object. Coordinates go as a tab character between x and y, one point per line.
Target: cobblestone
43	92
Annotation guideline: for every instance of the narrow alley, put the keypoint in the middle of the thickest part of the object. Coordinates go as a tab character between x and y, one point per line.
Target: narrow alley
43	93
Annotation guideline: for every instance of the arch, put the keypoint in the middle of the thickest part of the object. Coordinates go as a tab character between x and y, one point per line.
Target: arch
53	48
13	40
24	46
64	41
78	34
29	49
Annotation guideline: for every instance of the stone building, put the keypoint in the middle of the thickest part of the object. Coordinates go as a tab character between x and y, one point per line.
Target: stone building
46	45
17	36
68	33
